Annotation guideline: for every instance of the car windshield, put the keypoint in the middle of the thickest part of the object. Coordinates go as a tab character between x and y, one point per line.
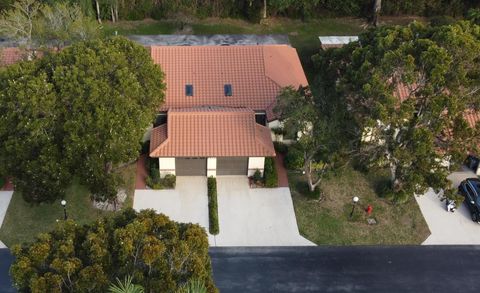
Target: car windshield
476	185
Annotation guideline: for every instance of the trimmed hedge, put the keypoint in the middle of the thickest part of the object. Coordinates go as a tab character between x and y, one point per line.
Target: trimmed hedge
213	225
270	173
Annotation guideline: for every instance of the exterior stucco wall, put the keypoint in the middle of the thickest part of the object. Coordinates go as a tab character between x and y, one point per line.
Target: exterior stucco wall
212	167
255	163
166	166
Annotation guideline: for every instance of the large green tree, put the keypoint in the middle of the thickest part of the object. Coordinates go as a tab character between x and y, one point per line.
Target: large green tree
160	255
317	126
416	133
80	112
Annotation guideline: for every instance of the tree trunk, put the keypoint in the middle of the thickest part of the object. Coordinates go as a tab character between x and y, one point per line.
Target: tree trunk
264	9
377	6
393	176
113	14
308	173
116	10
97	5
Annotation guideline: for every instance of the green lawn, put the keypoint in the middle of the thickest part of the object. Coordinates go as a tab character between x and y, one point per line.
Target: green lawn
303	35
327	222
24	221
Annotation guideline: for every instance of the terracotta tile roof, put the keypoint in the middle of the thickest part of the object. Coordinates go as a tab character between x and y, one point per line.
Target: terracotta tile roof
9	56
472	117
211	132
256	74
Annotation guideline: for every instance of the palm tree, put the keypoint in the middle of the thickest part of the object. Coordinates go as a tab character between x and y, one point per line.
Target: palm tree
193	286
125	287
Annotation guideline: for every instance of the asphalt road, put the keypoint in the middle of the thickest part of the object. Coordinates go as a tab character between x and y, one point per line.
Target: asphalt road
6	260
348	269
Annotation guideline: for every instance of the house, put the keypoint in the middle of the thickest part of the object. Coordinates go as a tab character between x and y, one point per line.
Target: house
218	111
336	41
472	117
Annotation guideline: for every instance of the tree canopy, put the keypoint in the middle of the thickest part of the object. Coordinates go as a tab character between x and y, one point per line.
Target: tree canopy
318	126
80	112
34	24
414	133
147	248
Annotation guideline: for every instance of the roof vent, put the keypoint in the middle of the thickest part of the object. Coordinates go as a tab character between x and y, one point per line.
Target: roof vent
189	90
228	90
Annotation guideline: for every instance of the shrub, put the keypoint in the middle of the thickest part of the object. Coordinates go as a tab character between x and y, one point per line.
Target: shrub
152	167
169	181
213	225
2	182
270	173
294	159
280	147
257	176
153	183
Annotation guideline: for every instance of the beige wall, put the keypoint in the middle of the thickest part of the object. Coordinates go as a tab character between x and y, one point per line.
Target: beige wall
212	167
167	166
255	163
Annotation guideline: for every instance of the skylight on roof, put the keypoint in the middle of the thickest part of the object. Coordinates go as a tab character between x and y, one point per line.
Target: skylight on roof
228	90
189	90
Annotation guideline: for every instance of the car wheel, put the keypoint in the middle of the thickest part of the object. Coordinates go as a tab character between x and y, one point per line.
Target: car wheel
475	217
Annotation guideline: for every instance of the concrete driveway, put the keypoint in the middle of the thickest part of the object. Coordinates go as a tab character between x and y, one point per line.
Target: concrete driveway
187	203
5	197
255	217
448	228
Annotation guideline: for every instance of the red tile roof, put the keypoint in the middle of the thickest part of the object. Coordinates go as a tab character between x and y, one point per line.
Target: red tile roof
256	74
211	132
403	92
9	56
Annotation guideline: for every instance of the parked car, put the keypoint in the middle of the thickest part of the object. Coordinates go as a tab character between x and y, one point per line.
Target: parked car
470	188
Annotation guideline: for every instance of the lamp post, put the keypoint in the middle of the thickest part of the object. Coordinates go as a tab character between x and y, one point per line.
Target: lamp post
355	200
64	205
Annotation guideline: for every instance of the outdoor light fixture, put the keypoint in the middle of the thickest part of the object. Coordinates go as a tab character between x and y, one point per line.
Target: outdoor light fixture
64	205
355	200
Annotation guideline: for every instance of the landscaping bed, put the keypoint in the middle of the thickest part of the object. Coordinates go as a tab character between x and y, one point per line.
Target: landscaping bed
327	221
154	181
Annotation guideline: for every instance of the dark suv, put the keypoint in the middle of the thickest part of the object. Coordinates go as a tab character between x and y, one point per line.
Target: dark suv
470	188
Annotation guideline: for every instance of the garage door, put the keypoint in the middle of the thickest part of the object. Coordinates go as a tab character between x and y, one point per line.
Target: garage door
232	166
191	166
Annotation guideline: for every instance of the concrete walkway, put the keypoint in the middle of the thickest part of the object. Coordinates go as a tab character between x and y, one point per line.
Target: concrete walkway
5	197
255	217
448	228
187	203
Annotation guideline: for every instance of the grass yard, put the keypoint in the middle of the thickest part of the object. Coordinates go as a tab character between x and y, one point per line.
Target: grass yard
327	222
24	221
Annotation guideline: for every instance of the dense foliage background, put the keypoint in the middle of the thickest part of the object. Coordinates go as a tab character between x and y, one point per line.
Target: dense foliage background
253	9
